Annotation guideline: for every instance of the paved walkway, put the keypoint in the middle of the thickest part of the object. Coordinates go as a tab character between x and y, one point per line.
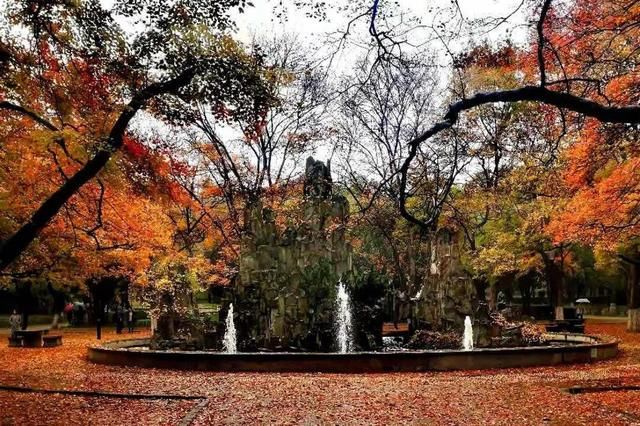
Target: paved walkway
605	320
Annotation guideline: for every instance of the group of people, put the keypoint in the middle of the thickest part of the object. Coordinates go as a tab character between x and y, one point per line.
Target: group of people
122	316
76	313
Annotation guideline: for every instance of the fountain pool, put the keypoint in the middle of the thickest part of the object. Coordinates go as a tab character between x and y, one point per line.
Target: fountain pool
565	348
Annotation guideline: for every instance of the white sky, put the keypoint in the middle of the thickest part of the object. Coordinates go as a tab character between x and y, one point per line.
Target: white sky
321	35
261	20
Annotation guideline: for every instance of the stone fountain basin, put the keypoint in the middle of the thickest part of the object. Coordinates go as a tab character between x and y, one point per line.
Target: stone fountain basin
566	348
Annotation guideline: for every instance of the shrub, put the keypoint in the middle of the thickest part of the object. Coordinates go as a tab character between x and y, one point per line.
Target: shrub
532	334
423	339
529	333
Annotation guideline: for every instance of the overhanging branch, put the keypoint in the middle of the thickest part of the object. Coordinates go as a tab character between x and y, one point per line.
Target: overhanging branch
540	94
31	114
18	242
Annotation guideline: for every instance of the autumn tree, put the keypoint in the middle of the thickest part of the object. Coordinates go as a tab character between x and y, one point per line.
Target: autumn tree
180	55
381	106
503	201
260	156
578	70
556	92
551	72
601	207
597	42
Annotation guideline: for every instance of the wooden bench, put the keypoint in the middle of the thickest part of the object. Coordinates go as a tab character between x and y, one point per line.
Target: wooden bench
51	340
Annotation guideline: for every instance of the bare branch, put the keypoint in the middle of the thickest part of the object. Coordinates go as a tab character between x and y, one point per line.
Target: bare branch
541	41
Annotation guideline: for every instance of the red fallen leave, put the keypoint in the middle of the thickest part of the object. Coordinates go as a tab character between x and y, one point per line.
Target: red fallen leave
509	396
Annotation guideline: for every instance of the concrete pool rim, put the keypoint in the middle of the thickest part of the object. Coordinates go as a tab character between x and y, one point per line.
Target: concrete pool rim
567	348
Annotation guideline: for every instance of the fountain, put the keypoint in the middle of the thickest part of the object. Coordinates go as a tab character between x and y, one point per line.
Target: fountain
565	348
418	295
229	342
467	340
343	315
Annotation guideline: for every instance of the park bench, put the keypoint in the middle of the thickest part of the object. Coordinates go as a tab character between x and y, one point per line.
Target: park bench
51	340
30	338
572	322
15	342
35	338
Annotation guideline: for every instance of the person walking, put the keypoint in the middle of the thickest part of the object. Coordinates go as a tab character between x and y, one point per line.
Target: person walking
119	317
130	319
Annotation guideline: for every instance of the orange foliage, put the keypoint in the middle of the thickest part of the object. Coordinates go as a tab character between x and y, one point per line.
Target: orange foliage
116	225
605	212
108	225
596	43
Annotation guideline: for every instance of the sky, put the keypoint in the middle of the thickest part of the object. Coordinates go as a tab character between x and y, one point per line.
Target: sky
323	35
262	20
261	16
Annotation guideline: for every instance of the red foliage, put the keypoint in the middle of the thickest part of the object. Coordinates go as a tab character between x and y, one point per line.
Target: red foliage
485	56
134	148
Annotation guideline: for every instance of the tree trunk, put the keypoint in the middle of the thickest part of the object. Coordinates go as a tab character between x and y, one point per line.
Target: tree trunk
58	304
492	297
555	280
632	263
559	312
24	322
525	283
633	322
25	301
558	289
